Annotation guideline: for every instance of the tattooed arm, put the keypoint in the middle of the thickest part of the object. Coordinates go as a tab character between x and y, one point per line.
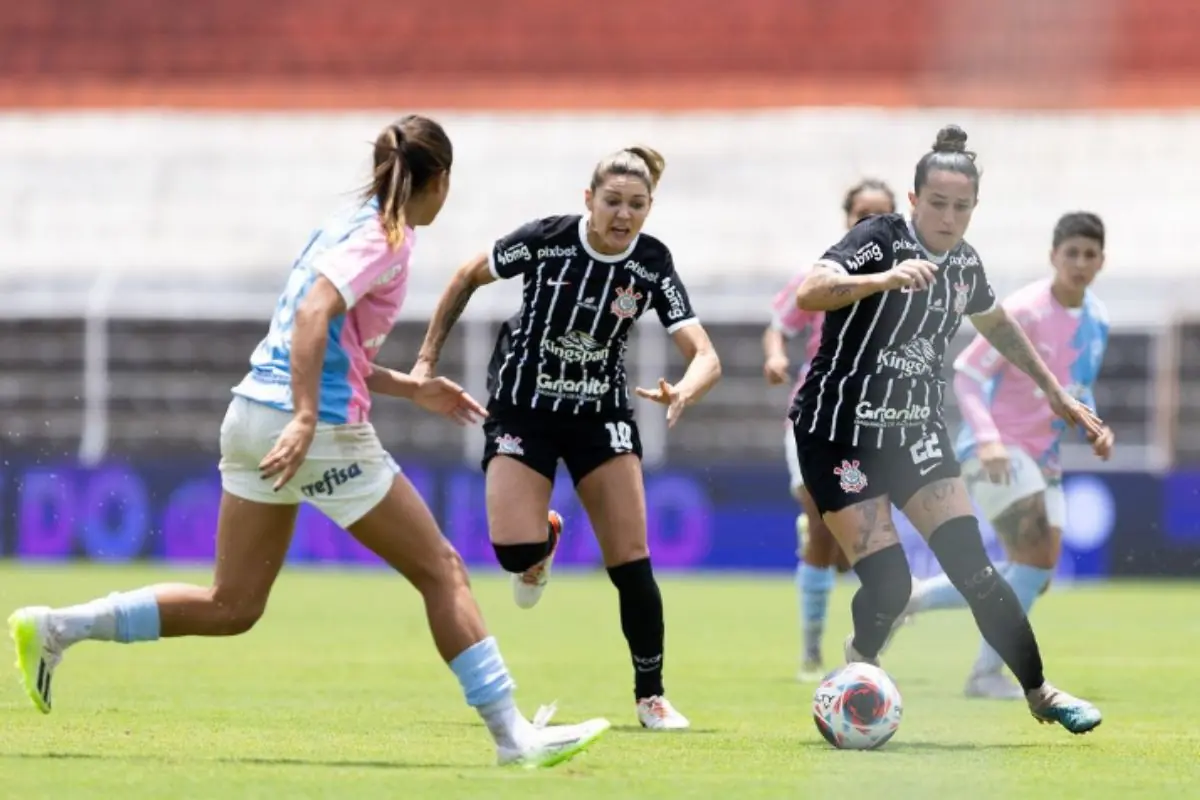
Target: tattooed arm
469	277
830	287
1009	340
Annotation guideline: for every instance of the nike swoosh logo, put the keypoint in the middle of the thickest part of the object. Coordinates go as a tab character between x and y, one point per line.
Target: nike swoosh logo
929	469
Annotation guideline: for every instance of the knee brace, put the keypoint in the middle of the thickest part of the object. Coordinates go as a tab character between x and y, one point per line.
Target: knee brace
958	545
517	558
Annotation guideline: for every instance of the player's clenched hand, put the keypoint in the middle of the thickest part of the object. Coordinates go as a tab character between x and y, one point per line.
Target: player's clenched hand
914	274
285	458
667	395
775	370
994	458
1102	445
444	396
1076	414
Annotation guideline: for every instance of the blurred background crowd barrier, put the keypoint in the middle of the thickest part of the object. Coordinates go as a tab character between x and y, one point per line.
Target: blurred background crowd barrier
162	163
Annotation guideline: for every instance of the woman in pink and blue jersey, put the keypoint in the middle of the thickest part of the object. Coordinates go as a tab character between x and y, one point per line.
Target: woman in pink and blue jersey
1009	443
297	431
820	556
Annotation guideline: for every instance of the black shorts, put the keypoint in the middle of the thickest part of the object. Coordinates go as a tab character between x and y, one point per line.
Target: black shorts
538	439
840	475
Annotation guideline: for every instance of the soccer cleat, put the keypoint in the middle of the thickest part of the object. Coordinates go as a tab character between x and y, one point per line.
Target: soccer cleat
37	653
853	656
993	686
551	745
812	670
1048	704
529	585
657	714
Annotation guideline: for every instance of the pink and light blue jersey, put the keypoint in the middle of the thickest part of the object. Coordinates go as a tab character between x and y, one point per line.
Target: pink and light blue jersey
791	321
1000	403
352	251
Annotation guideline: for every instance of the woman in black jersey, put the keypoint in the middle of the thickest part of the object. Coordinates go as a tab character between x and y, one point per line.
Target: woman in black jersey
868	419
557	390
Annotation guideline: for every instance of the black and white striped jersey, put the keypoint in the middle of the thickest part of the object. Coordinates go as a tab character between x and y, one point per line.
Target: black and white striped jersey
565	350
876	380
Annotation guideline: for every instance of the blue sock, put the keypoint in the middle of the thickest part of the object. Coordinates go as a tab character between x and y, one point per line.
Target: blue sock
136	615
1026	582
482	674
814	585
939	593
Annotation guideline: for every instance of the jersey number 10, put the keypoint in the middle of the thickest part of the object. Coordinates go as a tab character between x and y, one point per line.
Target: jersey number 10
620	435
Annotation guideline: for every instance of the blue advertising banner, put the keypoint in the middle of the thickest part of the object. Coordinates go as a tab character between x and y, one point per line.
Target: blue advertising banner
722	518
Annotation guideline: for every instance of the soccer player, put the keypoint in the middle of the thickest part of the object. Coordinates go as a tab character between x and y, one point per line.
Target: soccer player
297	431
1009	443
820	556
868	418
558	390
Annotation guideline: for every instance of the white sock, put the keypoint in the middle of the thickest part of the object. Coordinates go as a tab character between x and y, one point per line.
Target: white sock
506	723
93	620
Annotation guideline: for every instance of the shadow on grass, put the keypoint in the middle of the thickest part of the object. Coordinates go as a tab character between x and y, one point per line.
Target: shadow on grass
247	760
903	747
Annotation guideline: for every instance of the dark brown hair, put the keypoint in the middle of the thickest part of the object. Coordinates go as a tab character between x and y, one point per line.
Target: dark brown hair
1079	223
637	161
949	154
867	185
408	155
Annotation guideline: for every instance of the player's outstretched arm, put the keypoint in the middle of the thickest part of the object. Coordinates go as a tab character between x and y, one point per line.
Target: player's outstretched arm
703	372
467	278
1010	341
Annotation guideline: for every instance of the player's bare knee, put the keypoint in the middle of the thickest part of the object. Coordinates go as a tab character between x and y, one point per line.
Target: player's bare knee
1028	536
236	612
625	552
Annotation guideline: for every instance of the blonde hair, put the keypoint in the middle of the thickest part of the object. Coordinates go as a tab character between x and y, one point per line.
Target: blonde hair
638	161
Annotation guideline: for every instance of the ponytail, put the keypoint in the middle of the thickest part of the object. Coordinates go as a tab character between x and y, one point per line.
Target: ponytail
408	155
392	186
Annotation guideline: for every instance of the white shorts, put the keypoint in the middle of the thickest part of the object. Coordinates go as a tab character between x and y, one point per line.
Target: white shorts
1026	479
793	460
346	474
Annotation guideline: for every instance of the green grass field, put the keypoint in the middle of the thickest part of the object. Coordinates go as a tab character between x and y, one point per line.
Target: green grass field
338	693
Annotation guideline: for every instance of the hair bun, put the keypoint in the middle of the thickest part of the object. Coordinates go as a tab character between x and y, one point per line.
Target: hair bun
950	139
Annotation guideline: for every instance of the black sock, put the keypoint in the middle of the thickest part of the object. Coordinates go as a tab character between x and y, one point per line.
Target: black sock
958	546
517	558
642	624
886	586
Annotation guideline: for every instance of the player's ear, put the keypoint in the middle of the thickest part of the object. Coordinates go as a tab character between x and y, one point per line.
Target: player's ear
587	199
912	199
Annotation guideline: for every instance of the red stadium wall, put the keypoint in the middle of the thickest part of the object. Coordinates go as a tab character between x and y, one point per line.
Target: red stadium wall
683	53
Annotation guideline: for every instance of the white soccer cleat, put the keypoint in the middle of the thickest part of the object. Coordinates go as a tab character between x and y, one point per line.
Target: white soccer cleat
551	745
993	686
657	714
38	654
855	657
529	585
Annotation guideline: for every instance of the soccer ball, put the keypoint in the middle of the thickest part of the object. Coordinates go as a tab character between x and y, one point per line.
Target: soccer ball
857	707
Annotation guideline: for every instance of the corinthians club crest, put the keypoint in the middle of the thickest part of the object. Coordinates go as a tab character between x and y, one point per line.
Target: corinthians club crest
962	293
626	304
852	480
